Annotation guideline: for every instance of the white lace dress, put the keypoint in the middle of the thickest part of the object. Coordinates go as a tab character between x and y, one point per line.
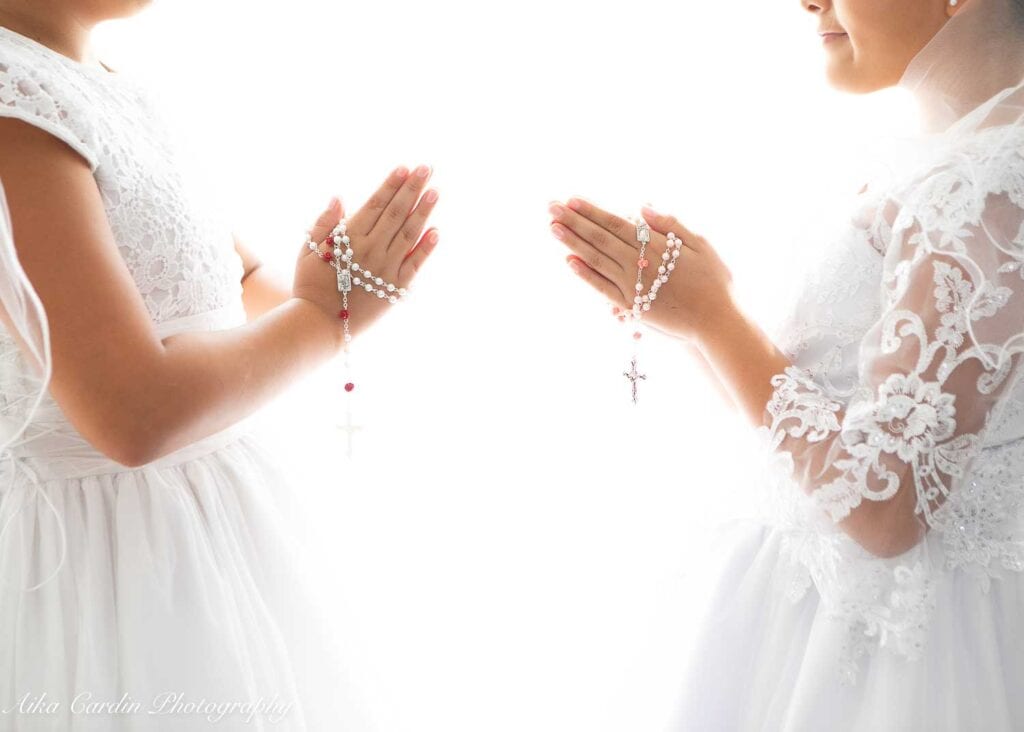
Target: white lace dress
896	395
179	595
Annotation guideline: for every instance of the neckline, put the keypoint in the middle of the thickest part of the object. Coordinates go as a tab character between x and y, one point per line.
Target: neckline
105	72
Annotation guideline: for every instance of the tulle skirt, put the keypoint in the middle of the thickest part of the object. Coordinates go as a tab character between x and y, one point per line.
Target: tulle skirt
183	602
762	661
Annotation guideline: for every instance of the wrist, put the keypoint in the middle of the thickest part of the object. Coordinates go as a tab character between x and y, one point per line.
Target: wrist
729	323
332	326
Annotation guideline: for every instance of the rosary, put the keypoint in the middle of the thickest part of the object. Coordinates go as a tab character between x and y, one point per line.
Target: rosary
339	255
641	302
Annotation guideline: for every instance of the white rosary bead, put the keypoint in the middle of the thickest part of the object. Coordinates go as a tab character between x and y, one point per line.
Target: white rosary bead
355	267
379	281
337	252
357	281
391	288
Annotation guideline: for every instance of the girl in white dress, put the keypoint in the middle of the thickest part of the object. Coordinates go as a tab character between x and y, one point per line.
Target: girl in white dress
148	579
883	586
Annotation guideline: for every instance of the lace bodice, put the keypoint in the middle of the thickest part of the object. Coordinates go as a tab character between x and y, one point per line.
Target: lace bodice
905	341
179	254
181	257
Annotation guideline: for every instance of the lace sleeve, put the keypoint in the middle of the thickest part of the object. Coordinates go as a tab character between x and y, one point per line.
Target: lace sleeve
40	96
932	370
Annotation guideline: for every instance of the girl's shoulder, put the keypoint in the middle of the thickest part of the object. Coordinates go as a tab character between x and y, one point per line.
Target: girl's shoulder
38	88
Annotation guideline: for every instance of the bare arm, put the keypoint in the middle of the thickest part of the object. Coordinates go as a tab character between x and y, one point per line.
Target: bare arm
263	288
131	395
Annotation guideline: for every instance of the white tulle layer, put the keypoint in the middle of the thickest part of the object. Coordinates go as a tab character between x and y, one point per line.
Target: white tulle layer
183	584
761	661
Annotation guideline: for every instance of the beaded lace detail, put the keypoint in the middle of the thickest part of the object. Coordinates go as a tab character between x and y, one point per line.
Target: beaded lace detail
906	349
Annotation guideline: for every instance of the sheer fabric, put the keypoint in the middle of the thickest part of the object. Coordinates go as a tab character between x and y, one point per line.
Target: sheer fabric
896	447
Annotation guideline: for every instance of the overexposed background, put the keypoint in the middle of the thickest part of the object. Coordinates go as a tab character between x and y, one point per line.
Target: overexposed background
514	546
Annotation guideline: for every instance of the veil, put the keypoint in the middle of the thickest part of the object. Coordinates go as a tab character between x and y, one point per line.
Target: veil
25	320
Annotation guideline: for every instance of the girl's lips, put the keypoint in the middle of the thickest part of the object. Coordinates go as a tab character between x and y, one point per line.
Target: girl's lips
830	37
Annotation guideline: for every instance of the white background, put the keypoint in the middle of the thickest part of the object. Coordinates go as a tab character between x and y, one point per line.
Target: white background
514	546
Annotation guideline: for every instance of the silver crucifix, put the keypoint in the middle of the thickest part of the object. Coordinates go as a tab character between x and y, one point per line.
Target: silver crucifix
633	375
349	429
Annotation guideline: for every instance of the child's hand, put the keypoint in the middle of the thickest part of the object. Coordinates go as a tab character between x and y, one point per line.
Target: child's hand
605	253
388	237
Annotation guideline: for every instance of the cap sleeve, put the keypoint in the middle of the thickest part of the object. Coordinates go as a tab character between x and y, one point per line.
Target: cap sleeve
41	95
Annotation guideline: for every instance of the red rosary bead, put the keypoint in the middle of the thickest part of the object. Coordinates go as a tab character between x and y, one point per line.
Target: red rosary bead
326	256
349	386
343	314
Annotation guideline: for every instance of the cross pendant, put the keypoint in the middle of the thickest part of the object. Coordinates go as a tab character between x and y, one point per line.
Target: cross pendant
633	375
349	429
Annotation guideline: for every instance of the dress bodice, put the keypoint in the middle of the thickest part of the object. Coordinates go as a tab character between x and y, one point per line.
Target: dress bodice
978	530
179	253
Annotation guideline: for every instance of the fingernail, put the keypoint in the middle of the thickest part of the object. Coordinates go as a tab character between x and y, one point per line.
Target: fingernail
422	171
576	266
575	204
401	171
332	203
557	231
556	209
650	211
430	196
433	238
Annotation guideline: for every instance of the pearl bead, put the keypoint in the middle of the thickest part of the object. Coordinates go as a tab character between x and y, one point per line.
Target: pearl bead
379	281
637	299
349	251
392	299
356	281
355	267
671	266
647	306
345	240
368	274
401	291
638	287
337	252
381	293
671	235
368	287
661	269
337	240
664	255
391	288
